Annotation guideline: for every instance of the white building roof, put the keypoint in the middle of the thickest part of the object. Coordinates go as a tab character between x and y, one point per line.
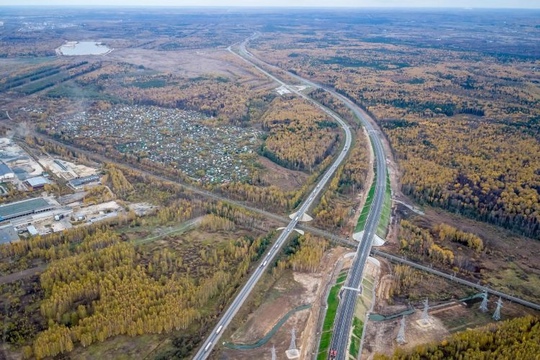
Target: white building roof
37	181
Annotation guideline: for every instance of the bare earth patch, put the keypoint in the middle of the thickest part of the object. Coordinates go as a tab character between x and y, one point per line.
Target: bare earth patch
380	336
291	290
281	177
189	63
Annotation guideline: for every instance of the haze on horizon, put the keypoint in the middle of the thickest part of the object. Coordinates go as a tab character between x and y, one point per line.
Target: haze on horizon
524	4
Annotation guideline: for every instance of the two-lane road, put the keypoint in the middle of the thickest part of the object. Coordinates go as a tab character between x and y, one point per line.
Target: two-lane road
229	314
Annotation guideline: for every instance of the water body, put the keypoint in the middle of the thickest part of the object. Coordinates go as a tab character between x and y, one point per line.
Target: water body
75	48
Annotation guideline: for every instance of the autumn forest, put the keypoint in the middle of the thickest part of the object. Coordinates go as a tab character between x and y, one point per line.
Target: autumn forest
206	158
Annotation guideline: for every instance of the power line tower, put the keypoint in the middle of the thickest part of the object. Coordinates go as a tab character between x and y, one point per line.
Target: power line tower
401	333
293	352
425	315
497	313
274	356
292	346
484	304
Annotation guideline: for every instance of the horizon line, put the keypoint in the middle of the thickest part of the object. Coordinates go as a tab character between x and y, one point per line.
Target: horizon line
263	7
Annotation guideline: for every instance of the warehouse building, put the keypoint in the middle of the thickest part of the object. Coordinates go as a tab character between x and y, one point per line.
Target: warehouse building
24	208
79	183
37	182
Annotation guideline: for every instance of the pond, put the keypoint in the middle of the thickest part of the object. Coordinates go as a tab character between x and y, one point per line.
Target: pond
74	48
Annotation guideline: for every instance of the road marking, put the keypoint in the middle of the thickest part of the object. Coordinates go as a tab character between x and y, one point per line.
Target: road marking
353	289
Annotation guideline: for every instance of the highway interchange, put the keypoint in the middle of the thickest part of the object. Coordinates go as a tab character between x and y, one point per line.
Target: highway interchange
345	330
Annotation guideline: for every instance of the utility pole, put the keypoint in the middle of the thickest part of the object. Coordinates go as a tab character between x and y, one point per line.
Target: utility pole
292	346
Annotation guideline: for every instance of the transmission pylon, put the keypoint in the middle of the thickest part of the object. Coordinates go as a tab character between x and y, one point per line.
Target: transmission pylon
425	315
497	313
401	333
293	352
293	339
484	304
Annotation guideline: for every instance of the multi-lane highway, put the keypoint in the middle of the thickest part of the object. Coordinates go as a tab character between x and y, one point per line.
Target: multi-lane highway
351	289
227	317
345	314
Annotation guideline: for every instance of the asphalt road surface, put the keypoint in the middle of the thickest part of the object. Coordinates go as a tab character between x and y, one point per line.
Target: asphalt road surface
351	288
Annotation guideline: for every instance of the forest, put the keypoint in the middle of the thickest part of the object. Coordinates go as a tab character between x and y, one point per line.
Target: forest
478	256
511	339
464	135
299	136
460	114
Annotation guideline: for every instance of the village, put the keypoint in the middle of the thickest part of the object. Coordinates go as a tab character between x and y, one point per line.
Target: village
185	140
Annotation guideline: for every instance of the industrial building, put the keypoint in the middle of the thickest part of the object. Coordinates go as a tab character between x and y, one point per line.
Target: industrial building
6	173
37	182
32	230
79	183
24	208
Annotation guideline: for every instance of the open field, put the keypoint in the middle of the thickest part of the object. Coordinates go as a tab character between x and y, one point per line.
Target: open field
505	262
447	315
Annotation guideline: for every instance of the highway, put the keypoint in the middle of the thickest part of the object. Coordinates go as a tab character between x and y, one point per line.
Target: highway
372	132
231	311
345	314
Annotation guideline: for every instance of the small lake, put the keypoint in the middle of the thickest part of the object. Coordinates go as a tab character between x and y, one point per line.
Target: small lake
74	48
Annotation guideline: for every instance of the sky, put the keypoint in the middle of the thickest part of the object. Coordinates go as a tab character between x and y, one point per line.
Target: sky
528	4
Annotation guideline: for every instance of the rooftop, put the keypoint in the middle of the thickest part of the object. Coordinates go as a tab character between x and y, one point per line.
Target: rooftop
4	169
8	234
19	207
37	181
84	180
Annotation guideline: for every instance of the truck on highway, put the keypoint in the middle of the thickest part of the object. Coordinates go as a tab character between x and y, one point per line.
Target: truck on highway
207	346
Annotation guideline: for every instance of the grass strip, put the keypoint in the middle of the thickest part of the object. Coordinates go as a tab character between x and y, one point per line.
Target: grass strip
367	206
386	210
358	327
328	324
